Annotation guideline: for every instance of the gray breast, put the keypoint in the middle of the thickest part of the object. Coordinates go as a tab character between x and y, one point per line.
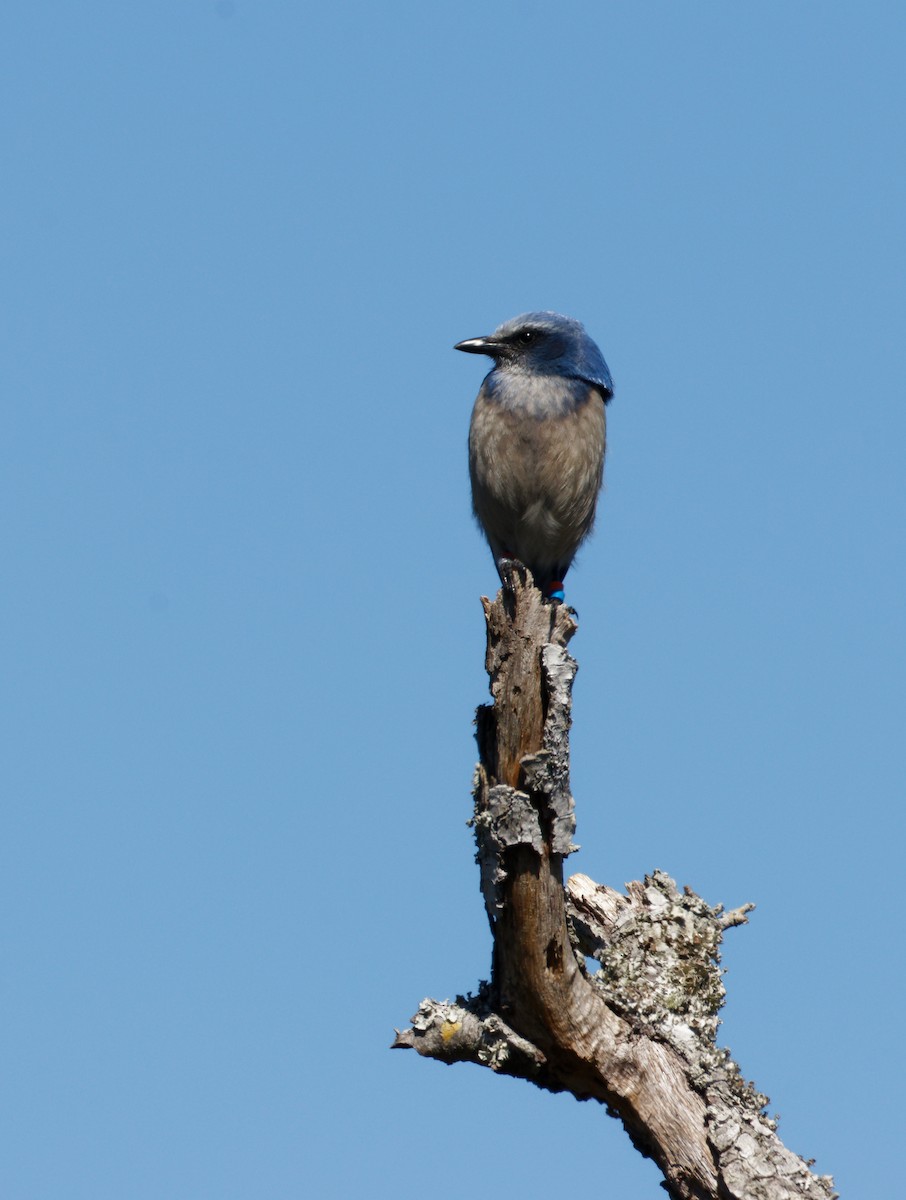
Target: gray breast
536	475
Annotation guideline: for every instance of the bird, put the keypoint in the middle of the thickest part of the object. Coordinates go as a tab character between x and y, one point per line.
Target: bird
536	443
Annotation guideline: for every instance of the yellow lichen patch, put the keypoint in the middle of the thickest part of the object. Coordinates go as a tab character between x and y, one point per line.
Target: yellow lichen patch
450	1029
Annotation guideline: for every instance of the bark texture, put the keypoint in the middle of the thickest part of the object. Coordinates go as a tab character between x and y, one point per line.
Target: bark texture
638	1034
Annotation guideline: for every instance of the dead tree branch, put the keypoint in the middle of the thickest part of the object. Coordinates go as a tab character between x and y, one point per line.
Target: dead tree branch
639	1033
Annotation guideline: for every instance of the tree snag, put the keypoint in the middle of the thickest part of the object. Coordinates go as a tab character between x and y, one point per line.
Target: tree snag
638	1034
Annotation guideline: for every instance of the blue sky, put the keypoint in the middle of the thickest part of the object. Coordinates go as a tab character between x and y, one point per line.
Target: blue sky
242	642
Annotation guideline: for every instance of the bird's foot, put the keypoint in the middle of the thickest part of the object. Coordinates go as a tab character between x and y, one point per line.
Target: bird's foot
507	566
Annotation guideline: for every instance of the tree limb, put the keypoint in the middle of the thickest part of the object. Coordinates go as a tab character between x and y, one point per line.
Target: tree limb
638	1034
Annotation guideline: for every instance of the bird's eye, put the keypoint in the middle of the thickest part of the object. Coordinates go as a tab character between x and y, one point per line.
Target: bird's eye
527	336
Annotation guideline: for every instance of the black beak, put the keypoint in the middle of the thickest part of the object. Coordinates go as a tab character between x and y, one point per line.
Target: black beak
481	345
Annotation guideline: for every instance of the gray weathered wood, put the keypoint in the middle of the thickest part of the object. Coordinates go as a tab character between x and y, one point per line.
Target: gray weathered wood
638	1035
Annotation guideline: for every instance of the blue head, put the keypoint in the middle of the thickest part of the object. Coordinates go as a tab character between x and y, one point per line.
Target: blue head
544	343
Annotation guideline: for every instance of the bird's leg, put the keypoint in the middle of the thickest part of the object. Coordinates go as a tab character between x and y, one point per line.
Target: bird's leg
554	590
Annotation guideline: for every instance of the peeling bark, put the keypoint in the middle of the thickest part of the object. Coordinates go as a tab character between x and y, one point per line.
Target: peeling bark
638	1034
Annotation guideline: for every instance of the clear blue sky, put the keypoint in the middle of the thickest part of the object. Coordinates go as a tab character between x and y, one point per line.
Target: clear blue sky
242	638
